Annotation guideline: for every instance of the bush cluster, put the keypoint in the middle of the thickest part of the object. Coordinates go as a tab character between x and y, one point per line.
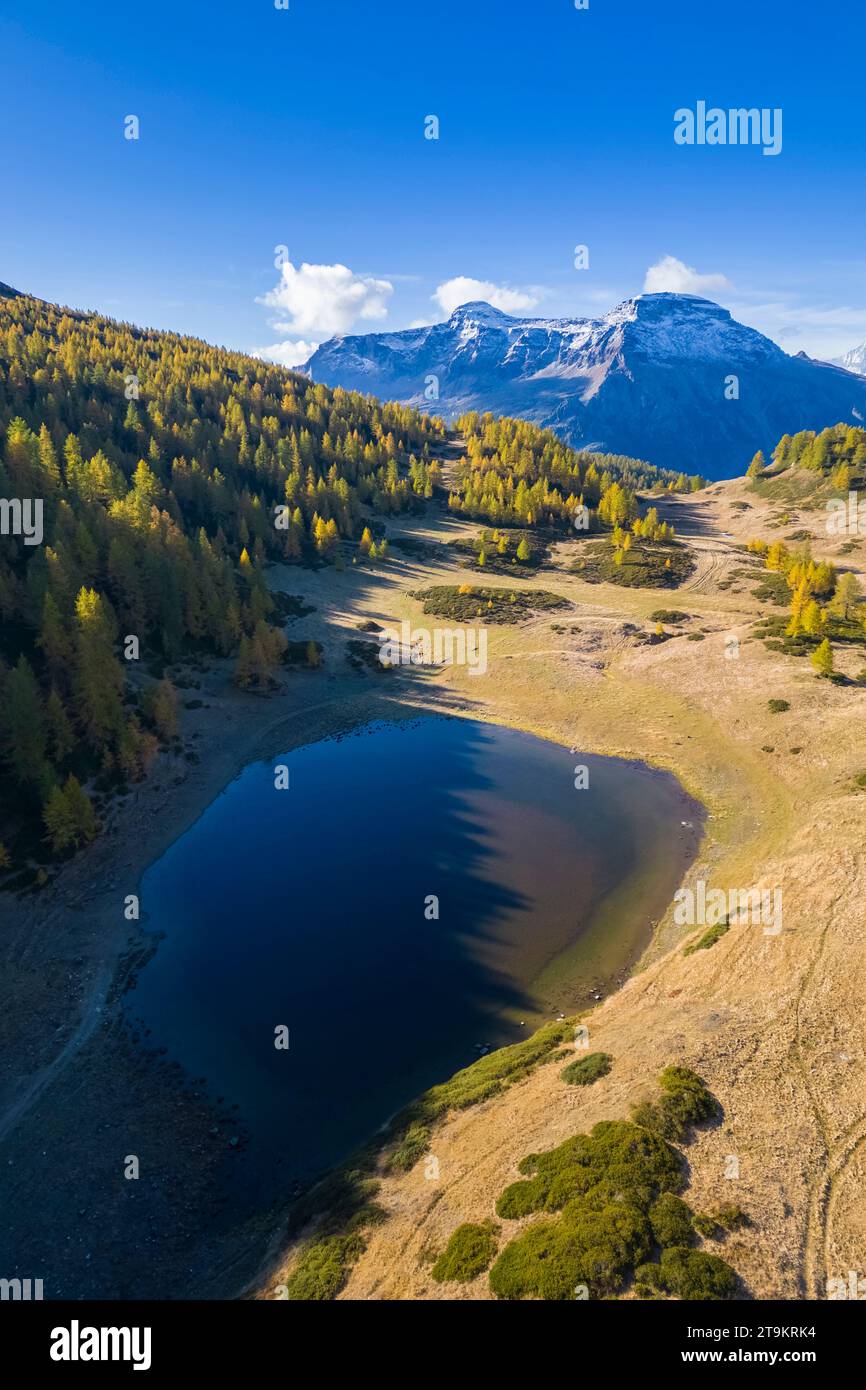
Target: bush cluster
467	1254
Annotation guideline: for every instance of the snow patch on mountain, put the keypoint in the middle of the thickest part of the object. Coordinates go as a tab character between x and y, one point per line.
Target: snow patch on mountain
854	360
671	378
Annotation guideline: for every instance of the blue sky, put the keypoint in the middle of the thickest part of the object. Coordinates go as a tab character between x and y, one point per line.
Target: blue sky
305	128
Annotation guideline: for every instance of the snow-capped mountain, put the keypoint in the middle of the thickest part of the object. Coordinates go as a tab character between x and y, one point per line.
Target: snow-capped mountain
653	378
854	360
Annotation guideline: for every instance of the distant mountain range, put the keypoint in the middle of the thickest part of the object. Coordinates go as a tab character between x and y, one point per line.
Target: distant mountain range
648	379
854	360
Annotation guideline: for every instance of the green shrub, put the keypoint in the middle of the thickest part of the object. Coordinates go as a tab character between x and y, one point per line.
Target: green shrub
414	1142
645	565
585	1070
540	1262
323	1268
467	1254
708	939
616	1188
521	1198
617	1160
685	1102
778	706
587	1246
345	1197
773	588
520	549
466	602
706	1226
488	1076
731	1217
690	1274
343	1205
303	653
668	615
671	1221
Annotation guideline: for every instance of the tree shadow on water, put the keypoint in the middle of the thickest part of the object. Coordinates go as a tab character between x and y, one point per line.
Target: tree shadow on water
350	909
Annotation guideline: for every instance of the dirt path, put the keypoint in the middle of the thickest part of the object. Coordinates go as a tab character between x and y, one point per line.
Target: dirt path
94	1005
448	456
711	563
817	1266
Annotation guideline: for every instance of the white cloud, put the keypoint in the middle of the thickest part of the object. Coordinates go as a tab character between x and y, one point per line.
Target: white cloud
288	353
824	331
322	301
463	289
676	277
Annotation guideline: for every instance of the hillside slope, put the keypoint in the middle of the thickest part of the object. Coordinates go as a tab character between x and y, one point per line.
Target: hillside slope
773	1023
157	464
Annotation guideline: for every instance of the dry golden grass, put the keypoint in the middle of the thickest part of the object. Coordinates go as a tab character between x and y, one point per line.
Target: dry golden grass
773	1023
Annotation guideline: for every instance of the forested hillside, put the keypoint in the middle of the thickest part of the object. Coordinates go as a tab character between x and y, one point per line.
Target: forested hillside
169	474
161	463
839	451
825	603
516	473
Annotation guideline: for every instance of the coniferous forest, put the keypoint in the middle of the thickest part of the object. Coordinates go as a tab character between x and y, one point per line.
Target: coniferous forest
171	473
513	472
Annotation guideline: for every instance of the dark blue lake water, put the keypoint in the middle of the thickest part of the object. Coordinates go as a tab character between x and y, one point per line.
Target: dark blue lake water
305	908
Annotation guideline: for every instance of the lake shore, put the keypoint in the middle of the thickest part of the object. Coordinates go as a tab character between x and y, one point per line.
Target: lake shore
67	956
735	1012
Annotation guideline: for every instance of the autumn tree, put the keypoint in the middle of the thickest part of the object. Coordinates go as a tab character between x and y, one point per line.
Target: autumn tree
757	466
259	656
22	726
822	658
98	680
159	704
70	820
847	597
58	725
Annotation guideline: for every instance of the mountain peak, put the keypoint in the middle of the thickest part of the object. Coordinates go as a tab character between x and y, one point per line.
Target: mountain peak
665	302
648	379
854	360
676	297
479	311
